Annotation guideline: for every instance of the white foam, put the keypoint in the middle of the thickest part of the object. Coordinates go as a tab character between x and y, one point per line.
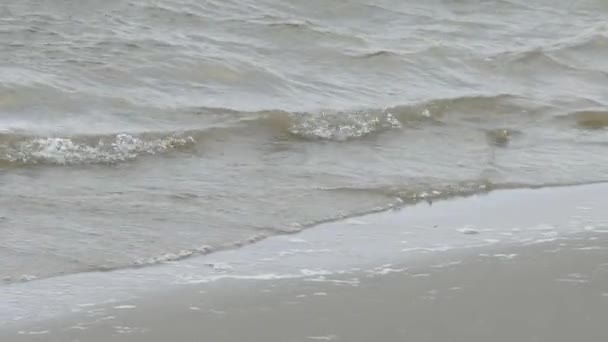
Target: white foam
428	249
62	151
341	126
42	332
128	330
447	264
468	230
220	266
27	277
322	338
77	327
574	278
590	248
202	279
352	281
125	307
388	270
356	222
505	256
421	275
570	280
308	273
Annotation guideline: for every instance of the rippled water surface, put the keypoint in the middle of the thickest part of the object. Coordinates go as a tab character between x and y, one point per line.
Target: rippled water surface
134	132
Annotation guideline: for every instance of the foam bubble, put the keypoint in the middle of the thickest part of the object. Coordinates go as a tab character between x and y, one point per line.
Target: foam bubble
341	126
66	151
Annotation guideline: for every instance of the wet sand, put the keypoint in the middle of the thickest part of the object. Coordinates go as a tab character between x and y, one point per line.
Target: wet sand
552	288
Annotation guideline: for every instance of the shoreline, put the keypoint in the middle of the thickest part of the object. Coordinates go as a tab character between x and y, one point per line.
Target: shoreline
205	250
385	245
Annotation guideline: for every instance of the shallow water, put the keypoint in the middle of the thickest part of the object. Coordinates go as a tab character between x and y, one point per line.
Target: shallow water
136	132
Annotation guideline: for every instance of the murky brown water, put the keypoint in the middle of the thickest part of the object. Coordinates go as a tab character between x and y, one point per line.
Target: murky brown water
134	132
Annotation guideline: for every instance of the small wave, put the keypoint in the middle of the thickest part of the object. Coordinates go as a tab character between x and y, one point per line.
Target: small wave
444	190
379	53
297	24
165	10
550	53
539	58
198	251
341	126
528	56
20	149
428	191
590	119
485	104
336	126
594	36
306	26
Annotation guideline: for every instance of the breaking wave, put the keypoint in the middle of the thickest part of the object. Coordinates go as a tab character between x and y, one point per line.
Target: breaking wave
18	149
341	126
335	126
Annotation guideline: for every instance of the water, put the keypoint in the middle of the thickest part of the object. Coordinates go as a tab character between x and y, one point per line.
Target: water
137	132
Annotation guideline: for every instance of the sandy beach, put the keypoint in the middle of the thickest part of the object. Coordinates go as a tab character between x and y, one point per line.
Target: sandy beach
540	275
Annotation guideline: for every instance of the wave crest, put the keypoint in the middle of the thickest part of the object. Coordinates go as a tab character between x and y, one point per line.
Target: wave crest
86	150
336	126
340	126
590	119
